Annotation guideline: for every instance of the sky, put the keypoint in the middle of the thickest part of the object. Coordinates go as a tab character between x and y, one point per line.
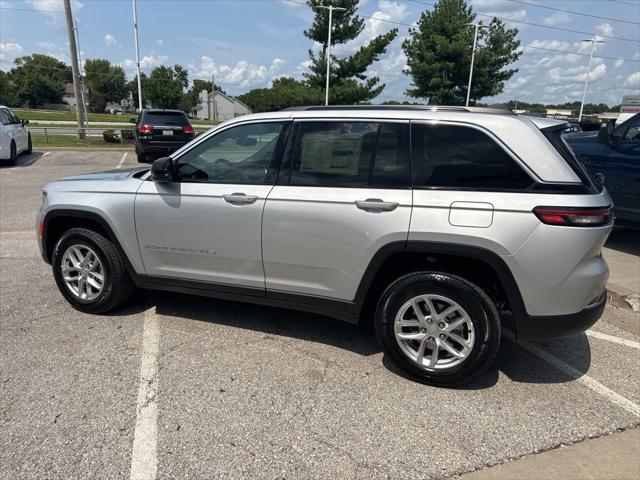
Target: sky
246	44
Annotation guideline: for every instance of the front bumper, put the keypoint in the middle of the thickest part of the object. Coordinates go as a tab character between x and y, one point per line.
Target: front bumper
540	327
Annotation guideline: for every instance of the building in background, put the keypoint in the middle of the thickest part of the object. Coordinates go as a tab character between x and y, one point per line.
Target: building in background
218	106
69	97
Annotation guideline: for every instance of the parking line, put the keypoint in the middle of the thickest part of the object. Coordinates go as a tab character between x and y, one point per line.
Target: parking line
144	461
122	160
583	378
611	338
45	154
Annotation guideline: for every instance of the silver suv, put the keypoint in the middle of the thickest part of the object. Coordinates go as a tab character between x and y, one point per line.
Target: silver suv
440	225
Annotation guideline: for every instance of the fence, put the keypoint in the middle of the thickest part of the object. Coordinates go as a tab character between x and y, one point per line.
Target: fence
110	135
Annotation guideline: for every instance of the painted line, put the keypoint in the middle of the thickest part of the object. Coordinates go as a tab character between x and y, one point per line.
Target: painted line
611	338
583	378
122	160
45	154
144	460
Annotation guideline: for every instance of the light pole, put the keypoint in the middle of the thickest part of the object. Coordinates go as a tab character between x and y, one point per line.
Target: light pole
476	27
135	35
586	80
331	8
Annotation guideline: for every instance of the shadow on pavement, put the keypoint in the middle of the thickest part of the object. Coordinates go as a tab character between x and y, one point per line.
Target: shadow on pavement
24	160
624	240
515	362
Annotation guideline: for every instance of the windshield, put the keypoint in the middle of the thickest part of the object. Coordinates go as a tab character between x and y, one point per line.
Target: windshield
165	118
554	135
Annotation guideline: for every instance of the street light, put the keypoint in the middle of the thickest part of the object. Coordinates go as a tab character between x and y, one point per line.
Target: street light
586	80
135	35
476	27
328	50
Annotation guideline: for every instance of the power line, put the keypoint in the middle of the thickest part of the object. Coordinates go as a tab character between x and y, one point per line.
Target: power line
529	4
31	10
539	24
626	3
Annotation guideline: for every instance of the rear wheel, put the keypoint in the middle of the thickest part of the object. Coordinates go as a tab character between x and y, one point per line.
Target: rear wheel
13	154
29	145
90	272
439	328
142	157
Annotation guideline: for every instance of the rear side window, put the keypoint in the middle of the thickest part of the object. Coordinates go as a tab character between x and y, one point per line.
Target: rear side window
165	118
350	154
554	135
456	156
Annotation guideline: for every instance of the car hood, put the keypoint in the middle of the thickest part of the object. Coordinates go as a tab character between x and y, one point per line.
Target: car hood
109	175
581	137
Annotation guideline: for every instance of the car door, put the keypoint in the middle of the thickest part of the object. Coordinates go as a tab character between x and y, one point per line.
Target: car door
622	175
206	224
19	131
343	192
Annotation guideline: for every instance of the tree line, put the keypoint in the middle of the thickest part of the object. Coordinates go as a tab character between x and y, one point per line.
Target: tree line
438	51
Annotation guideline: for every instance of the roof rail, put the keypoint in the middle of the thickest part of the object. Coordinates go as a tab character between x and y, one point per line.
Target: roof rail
429	108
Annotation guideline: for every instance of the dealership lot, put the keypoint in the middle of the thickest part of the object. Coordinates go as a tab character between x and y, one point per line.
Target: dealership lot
233	390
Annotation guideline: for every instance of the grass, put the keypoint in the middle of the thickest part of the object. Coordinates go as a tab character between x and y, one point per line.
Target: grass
71	141
50	115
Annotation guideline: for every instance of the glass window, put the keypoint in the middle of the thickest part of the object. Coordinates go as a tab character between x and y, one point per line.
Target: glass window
350	154
633	132
165	118
239	154
12	117
462	157
4	117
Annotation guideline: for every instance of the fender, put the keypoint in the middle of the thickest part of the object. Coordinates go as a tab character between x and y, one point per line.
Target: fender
417	246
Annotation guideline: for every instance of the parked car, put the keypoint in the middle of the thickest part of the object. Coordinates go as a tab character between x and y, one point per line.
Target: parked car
14	136
573	128
614	153
160	132
433	223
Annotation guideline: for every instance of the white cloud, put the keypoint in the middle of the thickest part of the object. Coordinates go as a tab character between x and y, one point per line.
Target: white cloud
576	74
110	40
53	9
558	18
242	74
160	42
54	50
605	29
148	62
500	8
633	81
618	63
11	48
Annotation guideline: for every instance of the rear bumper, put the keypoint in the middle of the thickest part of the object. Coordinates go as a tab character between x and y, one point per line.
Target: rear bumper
160	147
539	327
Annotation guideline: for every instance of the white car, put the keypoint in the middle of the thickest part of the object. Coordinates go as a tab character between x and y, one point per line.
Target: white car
14	135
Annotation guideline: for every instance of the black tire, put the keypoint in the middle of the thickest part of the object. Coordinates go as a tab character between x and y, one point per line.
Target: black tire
118	286
479	308
13	154
142	157
29	145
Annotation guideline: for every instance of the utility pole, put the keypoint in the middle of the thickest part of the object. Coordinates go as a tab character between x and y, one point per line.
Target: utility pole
586	80
476	27
135	35
74	68
331	9
82	80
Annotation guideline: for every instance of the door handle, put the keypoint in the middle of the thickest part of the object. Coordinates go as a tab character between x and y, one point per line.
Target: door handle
240	198
376	205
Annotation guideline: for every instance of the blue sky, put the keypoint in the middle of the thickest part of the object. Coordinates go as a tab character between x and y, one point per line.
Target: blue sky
248	43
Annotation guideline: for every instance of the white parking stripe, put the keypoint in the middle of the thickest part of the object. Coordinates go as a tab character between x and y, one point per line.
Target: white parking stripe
611	338
144	462
45	154
583	378
122	160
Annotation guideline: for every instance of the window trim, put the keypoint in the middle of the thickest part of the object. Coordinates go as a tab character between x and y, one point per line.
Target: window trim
284	170
271	174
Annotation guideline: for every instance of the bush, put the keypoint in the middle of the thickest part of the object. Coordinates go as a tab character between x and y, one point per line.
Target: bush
127	134
110	136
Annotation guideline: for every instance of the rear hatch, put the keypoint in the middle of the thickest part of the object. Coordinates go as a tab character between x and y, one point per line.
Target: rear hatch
166	127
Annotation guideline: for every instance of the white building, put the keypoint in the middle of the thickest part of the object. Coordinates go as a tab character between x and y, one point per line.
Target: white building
218	106
69	96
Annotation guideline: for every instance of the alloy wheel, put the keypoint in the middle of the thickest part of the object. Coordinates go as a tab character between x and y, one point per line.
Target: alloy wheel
82	272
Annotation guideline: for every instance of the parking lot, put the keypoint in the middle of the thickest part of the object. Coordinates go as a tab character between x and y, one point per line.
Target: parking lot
187	387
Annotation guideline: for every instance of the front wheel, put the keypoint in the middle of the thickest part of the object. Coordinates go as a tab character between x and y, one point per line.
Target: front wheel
29	145
439	328
13	154
90	271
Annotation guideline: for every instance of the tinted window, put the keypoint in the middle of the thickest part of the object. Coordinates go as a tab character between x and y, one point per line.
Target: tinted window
165	118
350	154
12	117
4	118
633	132
239	154
462	157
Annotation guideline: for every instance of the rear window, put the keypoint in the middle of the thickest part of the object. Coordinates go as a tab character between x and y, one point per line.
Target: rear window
165	118
554	135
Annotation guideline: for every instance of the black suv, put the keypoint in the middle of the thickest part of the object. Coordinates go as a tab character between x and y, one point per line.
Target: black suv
161	132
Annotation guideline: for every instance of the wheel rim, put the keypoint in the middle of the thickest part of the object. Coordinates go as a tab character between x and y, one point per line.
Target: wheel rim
434	332
82	272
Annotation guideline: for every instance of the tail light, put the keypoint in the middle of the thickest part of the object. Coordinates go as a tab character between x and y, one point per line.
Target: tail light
187	129
145	128
575	216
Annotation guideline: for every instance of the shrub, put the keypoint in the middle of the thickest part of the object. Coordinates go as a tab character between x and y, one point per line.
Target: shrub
127	134
110	136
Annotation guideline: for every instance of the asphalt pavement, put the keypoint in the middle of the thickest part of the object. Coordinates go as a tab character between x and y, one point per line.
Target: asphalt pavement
175	386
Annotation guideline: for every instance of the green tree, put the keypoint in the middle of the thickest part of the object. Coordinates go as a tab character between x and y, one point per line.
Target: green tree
106	83
349	83
7	93
285	92
39	79
164	87
438	54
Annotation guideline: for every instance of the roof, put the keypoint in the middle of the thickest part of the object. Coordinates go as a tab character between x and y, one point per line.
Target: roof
544	122
430	108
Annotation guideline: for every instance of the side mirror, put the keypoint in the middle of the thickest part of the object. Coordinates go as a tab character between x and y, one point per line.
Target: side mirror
162	170
132	120
24	122
605	133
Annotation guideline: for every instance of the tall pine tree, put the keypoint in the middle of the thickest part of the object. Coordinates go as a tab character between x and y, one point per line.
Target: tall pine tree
349	83
439	55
